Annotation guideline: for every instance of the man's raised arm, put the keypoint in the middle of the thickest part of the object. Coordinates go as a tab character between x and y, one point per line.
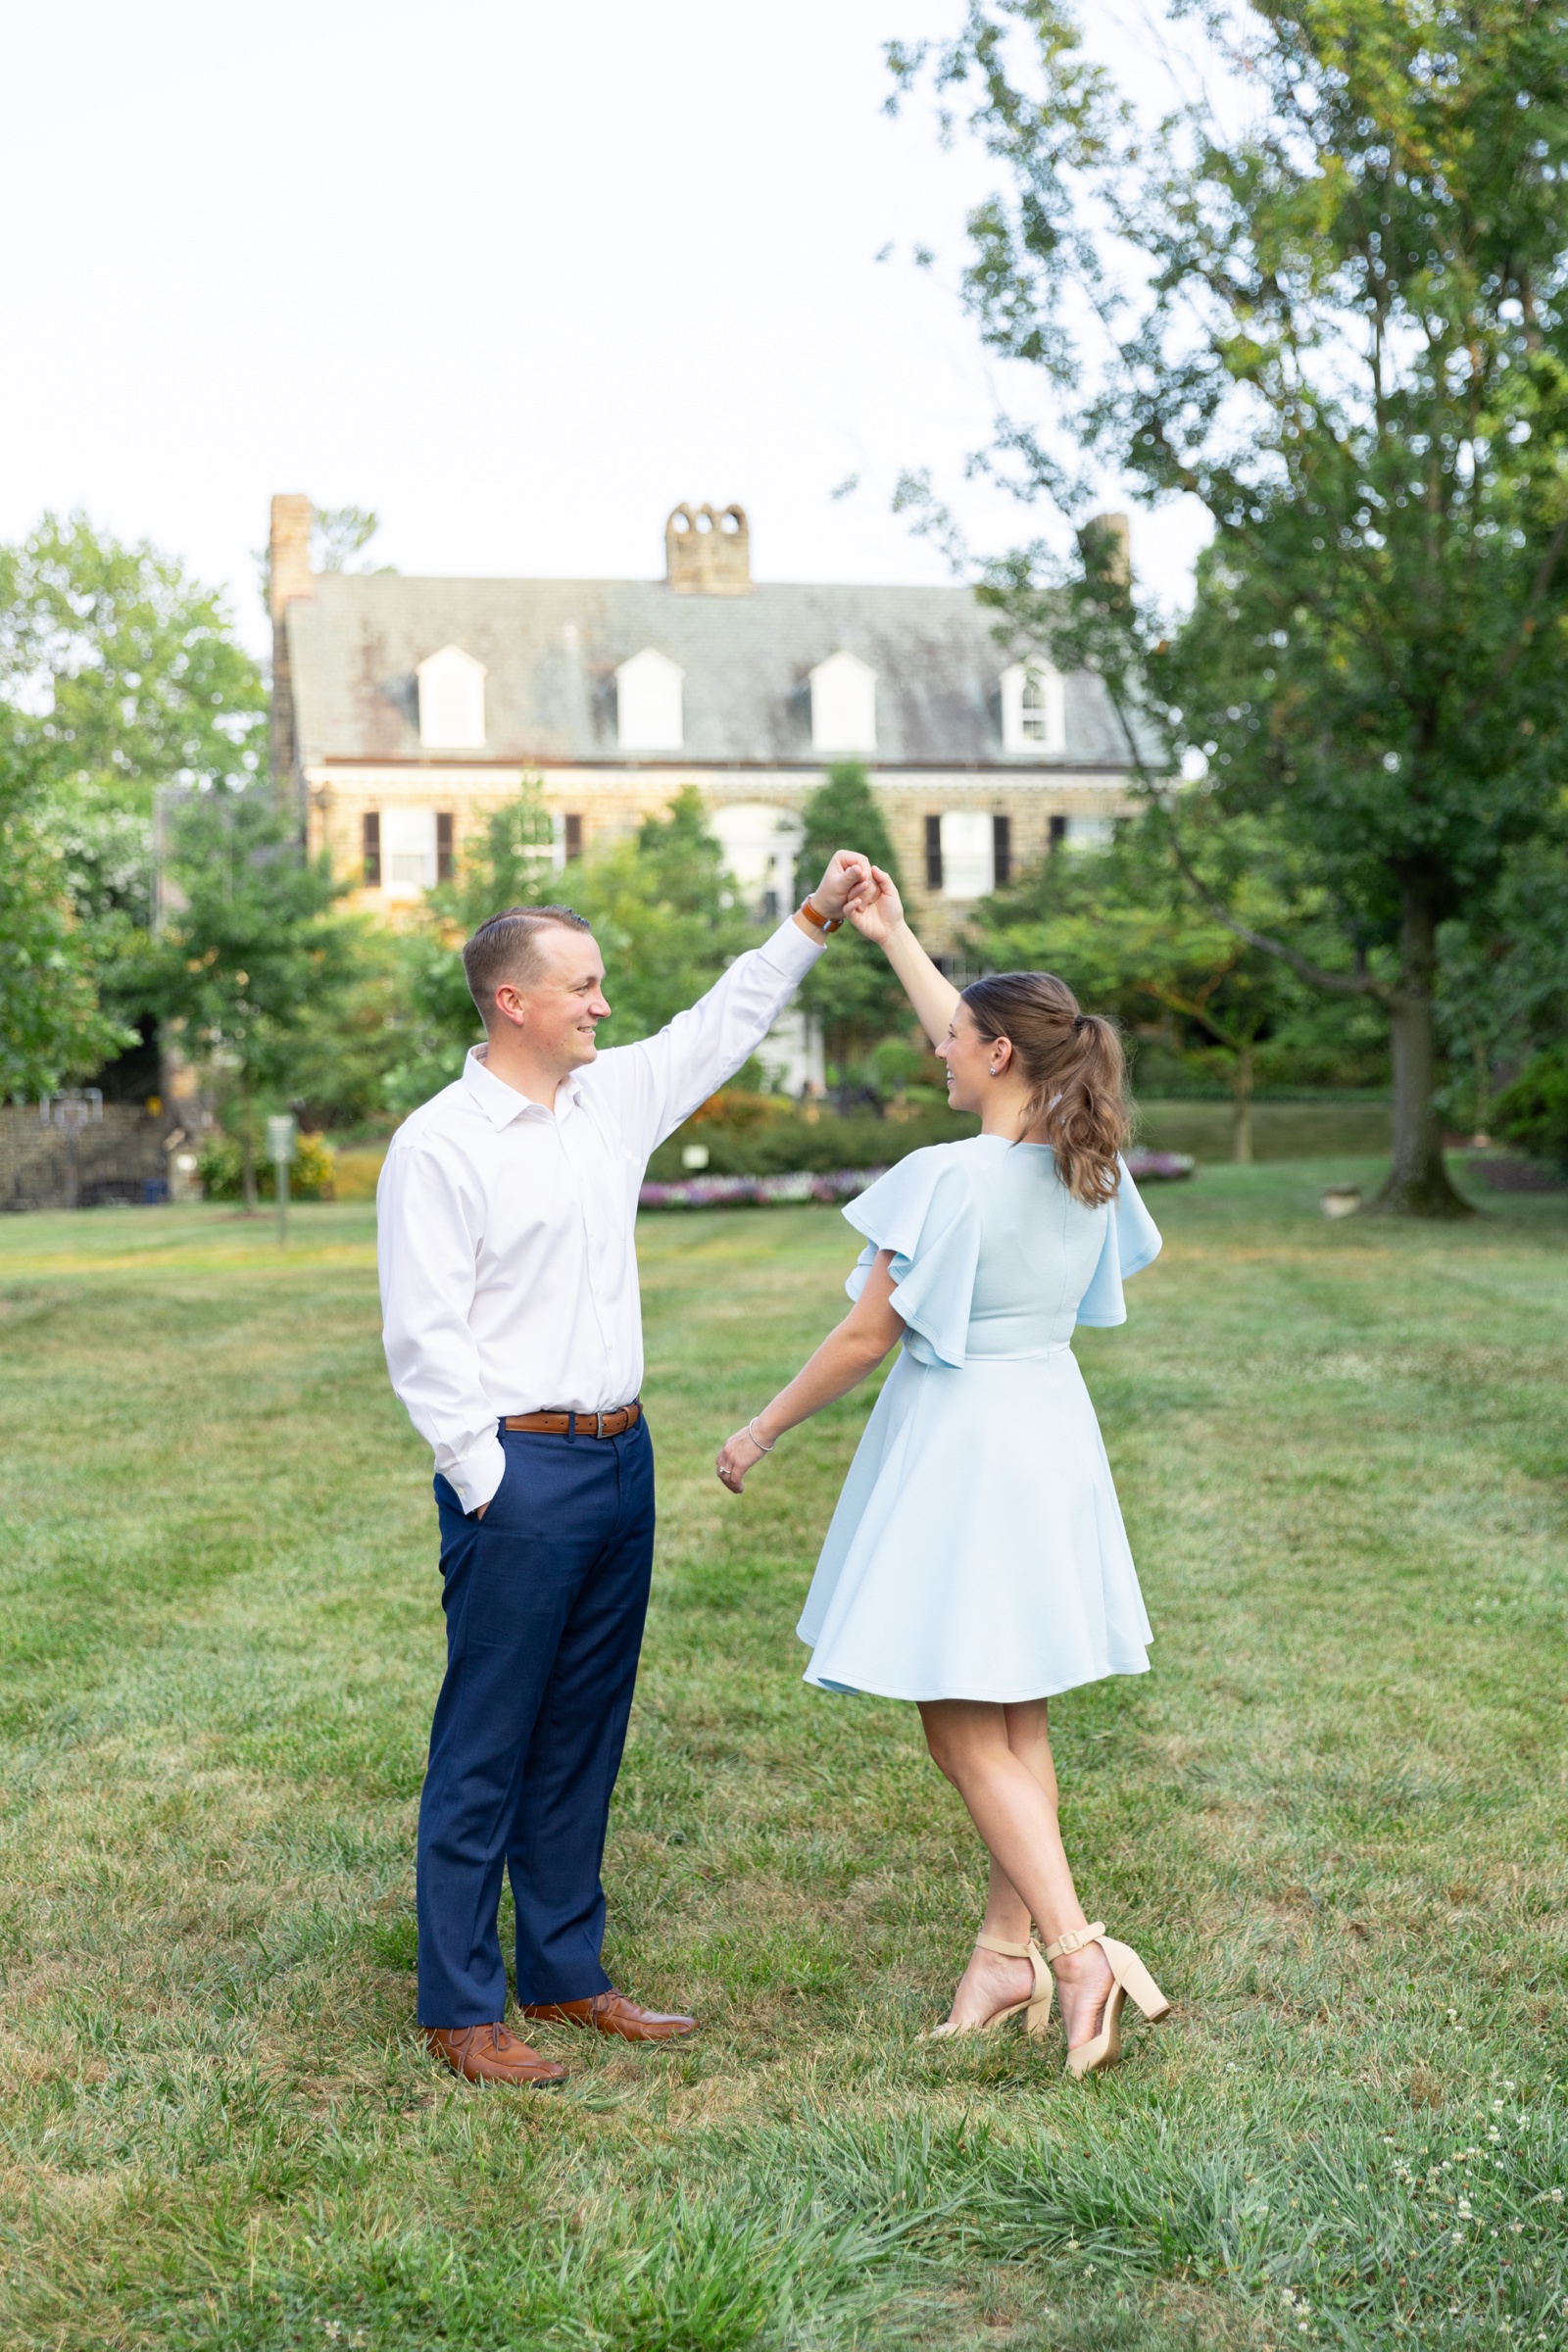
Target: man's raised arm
660	1081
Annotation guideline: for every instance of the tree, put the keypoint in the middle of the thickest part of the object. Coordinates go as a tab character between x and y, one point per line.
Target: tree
52	1026
1341	324
119	674
852	992
1125	931
248	946
1504	977
663	912
124	673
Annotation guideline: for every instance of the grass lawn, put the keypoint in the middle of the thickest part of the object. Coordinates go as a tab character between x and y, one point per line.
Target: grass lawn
1331	1818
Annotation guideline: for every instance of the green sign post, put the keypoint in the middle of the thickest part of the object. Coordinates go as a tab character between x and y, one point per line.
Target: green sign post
280	1151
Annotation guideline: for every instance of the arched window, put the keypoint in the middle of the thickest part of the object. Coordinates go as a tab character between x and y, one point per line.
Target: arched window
450	702
759	843
843	706
648	703
1034	716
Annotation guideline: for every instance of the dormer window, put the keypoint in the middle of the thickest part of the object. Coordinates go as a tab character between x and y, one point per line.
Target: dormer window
843	706
648	703
450	702
1034	714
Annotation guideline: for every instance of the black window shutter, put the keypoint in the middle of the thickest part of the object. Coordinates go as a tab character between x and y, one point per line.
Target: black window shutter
933	852
372	848
573	837
1001	851
443	845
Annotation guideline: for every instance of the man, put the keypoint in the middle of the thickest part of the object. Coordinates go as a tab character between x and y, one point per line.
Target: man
513	1337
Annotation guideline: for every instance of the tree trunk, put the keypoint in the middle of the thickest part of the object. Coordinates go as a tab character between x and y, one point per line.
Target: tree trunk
1418	1181
1242	1109
247	1149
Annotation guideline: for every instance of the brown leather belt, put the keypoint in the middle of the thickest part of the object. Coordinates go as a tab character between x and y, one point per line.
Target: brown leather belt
578	1425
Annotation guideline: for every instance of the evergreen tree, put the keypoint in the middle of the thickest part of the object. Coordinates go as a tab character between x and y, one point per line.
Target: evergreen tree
248	948
851	991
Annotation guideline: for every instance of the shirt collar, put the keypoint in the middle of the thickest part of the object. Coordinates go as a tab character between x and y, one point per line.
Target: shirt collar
502	1103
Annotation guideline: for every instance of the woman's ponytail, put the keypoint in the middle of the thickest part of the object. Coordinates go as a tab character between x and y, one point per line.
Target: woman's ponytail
1076	1070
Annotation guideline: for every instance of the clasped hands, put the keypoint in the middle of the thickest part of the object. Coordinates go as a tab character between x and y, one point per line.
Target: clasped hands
854	890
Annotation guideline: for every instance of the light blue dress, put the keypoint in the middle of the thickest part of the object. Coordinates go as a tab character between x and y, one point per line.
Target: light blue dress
977	1550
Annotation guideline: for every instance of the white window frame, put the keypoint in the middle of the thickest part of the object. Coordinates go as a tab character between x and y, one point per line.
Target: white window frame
968	853
451	701
1049	718
843	706
650	714
408	850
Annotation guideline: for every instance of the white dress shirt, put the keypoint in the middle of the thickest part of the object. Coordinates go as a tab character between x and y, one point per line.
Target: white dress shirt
508	1272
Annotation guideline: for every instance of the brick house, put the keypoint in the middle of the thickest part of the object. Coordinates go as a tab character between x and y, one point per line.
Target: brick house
406	710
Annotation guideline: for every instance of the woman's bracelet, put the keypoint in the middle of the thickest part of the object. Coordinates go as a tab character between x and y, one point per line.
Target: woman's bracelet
751	1432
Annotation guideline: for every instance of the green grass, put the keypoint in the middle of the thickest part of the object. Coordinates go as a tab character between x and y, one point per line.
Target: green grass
1331	1818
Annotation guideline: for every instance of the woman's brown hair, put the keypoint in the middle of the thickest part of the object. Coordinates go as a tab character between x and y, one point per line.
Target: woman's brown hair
1076	1070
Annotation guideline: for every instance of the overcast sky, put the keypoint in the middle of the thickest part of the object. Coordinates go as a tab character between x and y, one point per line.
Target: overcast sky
518	276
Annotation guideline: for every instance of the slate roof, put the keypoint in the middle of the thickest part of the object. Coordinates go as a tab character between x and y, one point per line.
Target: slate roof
551	649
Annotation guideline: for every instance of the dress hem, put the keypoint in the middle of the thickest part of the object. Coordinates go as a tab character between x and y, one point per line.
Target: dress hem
988	1698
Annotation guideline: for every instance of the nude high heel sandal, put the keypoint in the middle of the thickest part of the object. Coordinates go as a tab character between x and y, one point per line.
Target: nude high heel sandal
1132	1980
1037	2006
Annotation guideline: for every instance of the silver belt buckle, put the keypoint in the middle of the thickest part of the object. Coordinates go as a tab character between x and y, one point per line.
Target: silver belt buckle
599	1425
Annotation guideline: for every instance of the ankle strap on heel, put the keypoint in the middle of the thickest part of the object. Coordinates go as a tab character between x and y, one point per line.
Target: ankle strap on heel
1075	1940
1009	1951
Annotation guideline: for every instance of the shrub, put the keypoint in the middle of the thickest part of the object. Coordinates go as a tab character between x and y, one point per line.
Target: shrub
1533	1113
310	1177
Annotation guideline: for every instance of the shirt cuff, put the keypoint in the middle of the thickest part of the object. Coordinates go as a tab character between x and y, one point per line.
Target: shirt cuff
475	1477
790	952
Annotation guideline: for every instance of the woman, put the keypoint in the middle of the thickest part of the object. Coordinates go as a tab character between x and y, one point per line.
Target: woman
976	1562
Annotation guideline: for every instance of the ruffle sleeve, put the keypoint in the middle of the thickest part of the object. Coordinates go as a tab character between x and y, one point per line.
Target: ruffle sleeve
923	1212
1132	1243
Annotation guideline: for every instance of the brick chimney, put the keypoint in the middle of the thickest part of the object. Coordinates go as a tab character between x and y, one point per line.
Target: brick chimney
707	552
291	577
1117	529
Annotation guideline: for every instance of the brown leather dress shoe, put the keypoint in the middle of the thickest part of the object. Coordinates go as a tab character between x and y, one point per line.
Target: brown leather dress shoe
612	2012
492	2054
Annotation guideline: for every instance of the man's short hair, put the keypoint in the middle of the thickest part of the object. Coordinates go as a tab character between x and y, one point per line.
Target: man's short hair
506	948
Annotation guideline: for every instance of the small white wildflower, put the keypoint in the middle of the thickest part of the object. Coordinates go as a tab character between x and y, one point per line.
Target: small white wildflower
1465	2213
1459	2238
1495	2133
1496	2106
1506	2083
1516	2229
1555	2195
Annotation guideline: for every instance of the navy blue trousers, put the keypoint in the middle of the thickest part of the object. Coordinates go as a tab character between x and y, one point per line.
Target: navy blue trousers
545	1599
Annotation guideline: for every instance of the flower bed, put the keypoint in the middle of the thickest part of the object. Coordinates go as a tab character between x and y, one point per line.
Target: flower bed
739	1192
1159	1167
841	1184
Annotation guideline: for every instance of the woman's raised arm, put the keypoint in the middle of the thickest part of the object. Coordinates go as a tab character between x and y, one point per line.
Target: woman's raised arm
880	918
